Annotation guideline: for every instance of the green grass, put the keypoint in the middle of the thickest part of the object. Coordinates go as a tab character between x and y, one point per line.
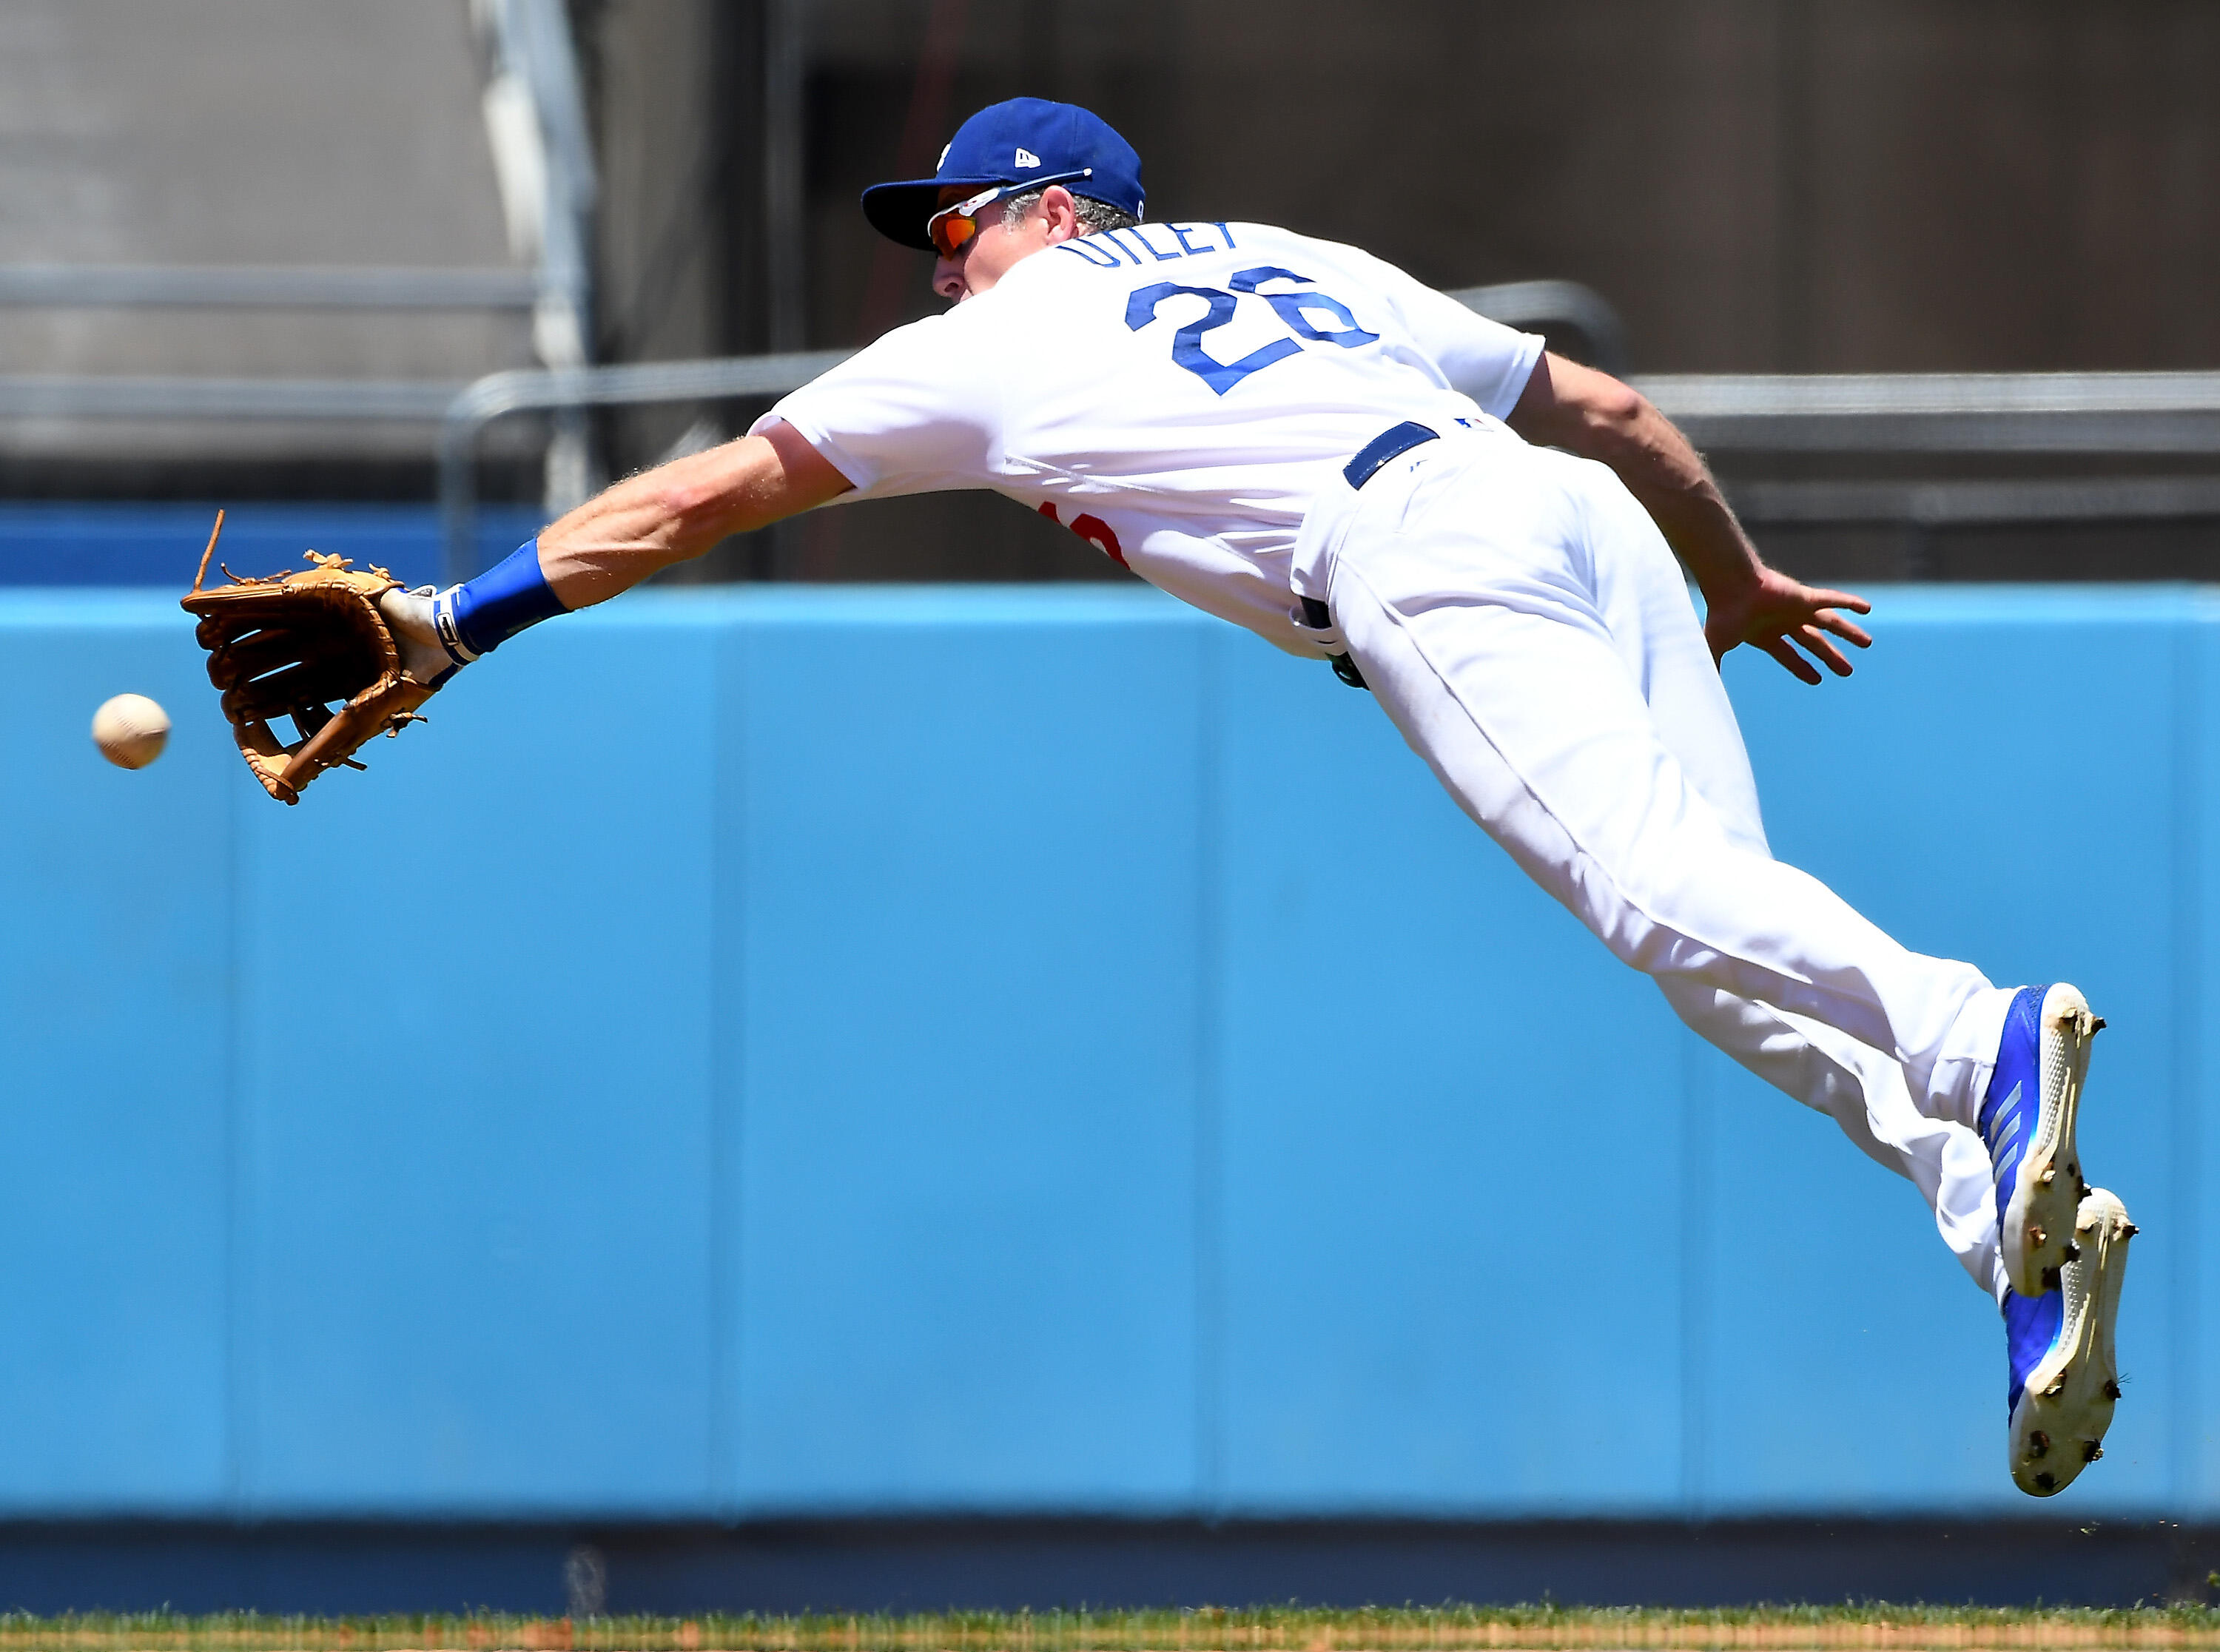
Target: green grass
1449	1628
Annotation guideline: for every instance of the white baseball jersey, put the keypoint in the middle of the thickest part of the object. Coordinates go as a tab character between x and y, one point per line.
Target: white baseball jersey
1177	393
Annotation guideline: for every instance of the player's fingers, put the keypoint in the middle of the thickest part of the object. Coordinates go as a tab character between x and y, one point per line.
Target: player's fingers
1849	629
1822	648
1849	600
1792	662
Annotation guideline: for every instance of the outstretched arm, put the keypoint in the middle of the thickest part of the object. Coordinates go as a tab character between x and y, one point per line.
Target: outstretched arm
1593	415
609	544
676	511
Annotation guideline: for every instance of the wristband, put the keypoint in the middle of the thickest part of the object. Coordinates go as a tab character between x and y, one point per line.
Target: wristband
477	616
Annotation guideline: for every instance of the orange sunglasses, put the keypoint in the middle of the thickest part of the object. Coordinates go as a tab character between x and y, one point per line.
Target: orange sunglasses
953	229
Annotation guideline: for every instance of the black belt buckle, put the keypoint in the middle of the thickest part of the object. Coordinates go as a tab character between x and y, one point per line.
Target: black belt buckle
1316	616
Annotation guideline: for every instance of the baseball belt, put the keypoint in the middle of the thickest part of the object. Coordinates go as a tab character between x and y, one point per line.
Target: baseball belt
1388	444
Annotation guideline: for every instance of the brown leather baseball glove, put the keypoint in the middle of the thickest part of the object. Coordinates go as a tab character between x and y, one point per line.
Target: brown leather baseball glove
311	645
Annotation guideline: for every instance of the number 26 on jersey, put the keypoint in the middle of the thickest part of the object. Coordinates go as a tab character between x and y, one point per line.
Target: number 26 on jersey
1295	309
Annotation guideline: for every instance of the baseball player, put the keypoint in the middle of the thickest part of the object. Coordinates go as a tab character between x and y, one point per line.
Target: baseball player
1304	441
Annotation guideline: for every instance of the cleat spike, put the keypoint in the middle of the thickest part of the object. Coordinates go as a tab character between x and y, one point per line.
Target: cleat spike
2111	1389
2048	1482
2053	1280
2091	1450
2072	1251
2096	1025
2036	1235
2047	1177
2037	1443
2130	1230
2056	1388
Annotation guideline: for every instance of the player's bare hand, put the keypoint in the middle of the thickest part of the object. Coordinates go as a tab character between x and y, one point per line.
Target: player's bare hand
1780	616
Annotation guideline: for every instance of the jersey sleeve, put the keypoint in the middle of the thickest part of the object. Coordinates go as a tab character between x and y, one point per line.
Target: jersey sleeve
916	412
1484	359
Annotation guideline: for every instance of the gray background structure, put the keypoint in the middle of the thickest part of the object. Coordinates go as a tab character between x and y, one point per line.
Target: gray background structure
253	132
1757	186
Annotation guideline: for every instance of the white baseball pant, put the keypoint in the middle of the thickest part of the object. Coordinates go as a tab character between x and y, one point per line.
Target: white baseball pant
1521	619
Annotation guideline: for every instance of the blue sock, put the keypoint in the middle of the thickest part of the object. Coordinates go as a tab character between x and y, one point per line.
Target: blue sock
476	617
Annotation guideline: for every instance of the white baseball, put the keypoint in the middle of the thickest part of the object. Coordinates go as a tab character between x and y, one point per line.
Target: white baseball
130	730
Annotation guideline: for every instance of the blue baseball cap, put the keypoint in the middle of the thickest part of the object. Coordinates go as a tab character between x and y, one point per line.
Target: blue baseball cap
1004	143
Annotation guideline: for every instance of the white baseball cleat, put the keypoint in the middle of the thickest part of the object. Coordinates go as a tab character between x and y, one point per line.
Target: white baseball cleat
2027	1118
2065	1374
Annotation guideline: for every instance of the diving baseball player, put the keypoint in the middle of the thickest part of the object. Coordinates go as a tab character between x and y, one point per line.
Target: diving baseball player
1306	441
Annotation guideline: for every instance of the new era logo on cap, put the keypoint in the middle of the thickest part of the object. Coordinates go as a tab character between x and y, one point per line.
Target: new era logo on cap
1026	158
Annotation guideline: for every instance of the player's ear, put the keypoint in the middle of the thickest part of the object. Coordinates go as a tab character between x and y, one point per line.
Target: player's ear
1061	213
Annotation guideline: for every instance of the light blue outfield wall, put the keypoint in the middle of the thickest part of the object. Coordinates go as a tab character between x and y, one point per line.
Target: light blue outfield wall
812	1051
64	542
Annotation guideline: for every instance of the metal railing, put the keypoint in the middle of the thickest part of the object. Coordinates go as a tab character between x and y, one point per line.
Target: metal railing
1945	413
1538	304
2085	413
1980	504
191	286
2089	414
363	400
1518	303
498	394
